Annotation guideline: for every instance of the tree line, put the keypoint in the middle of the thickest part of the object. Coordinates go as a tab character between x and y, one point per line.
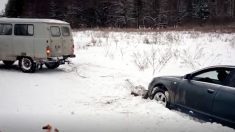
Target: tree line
125	13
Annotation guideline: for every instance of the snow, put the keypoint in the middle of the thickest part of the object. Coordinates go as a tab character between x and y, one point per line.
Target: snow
92	93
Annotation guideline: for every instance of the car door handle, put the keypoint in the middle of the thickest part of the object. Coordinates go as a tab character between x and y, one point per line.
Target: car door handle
210	91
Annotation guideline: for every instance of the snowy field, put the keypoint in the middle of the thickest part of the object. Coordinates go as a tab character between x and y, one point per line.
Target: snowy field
93	93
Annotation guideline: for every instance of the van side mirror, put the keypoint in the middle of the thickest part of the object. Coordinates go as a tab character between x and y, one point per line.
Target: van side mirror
188	76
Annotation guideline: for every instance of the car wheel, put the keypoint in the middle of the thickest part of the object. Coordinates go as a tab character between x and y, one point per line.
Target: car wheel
162	97
8	63
52	65
27	65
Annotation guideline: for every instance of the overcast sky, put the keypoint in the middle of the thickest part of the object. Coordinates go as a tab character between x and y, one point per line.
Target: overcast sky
2	4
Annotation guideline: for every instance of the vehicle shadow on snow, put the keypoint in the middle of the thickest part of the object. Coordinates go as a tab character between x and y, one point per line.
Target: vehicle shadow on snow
45	70
9	68
16	68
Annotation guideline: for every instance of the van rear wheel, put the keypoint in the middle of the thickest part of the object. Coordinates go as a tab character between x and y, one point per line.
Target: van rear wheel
8	63
52	65
27	65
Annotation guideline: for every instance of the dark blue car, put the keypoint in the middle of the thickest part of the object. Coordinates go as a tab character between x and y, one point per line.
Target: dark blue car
210	92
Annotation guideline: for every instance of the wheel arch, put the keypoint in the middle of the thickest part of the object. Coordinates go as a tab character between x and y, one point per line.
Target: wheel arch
158	85
163	87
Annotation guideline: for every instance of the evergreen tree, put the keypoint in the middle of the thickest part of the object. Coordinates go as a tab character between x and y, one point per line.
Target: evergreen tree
72	15
53	9
138	7
201	10
14	8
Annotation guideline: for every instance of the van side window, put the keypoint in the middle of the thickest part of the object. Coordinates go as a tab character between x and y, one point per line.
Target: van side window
55	31
5	29
24	30
65	31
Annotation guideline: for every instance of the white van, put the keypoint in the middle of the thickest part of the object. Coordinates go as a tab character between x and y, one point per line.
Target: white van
35	42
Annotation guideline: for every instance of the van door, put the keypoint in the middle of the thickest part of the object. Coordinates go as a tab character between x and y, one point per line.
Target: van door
67	40
6	42
23	41
56	42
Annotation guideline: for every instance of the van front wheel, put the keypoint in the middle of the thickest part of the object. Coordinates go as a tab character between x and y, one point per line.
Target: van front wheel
52	65
27	65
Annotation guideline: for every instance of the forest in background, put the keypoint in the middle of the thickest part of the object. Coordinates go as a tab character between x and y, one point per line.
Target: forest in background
126	13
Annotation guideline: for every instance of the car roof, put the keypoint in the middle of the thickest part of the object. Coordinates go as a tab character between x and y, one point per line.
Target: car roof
222	66
30	20
215	67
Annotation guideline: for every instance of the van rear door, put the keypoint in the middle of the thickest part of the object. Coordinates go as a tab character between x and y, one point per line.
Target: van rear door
56	45
67	40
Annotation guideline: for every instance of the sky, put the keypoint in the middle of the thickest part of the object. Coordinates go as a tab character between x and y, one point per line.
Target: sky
2	4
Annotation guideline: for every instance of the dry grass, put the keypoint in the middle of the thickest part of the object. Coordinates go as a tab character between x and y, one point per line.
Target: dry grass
205	28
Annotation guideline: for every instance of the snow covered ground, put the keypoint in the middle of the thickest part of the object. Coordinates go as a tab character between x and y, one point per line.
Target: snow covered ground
93	93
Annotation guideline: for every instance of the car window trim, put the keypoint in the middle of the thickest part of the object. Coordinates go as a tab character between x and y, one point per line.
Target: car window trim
224	83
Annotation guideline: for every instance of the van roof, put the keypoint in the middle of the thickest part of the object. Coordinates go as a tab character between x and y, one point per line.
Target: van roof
30	20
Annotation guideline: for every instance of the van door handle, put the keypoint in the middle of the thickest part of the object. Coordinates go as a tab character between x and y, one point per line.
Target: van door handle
210	91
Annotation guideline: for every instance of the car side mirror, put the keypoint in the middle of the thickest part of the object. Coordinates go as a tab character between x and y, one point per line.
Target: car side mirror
188	76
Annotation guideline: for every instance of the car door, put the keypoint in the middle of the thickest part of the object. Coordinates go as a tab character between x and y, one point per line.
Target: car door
198	92
224	104
56	41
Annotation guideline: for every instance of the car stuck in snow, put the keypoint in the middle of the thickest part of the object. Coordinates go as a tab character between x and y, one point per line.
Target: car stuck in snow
209	92
34	42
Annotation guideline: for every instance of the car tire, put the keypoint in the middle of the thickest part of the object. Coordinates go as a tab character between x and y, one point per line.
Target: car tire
52	65
8	63
161	96
27	65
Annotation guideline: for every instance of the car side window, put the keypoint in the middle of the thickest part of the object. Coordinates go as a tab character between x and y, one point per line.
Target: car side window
5	29
65	31
217	76
231	81
55	31
24	30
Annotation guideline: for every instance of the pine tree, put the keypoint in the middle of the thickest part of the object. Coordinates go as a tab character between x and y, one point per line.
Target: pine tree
14	8
72	15
121	13
201	10
53	9
138	7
